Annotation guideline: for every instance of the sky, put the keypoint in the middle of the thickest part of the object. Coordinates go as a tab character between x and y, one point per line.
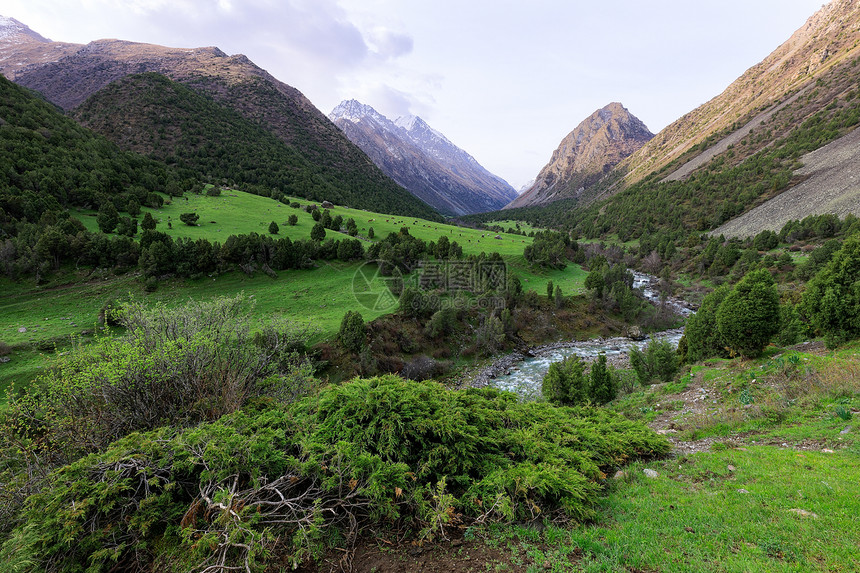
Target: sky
505	80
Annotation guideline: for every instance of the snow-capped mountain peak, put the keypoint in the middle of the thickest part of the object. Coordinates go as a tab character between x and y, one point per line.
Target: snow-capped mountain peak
10	28
355	111
422	160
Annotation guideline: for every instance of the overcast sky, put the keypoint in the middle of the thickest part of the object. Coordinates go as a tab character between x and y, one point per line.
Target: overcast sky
505	80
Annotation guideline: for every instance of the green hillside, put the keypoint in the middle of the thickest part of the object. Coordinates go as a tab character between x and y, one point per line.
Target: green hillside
50	163
173	123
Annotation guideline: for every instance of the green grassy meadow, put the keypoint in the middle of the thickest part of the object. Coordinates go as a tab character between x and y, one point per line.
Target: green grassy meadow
58	311
772	486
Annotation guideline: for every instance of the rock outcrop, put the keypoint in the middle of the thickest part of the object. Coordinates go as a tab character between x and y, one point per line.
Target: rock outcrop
588	153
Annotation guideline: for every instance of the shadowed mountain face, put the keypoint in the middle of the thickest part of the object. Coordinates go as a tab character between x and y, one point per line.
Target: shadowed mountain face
588	153
69	74
423	160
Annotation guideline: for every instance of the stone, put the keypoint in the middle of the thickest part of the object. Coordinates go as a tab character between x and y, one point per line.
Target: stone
619	475
803	513
650	473
742	490
22	330
827	451
635	333
730	467
846	430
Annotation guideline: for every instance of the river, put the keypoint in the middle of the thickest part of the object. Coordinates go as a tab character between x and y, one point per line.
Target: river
524	374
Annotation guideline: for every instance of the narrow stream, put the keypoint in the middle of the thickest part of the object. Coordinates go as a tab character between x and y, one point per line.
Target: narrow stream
525	376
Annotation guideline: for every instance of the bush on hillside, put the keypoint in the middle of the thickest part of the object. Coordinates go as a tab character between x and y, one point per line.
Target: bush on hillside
369	453
565	383
749	315
189	218
659	361
352	331
831	301
702	336
176	366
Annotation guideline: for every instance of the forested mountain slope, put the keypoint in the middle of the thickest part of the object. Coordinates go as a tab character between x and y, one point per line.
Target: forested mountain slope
323	154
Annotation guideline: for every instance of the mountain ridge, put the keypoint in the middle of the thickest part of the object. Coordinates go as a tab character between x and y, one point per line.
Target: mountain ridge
422	160
586	154
70	74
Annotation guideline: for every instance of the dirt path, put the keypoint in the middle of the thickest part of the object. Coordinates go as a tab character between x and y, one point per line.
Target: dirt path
684	171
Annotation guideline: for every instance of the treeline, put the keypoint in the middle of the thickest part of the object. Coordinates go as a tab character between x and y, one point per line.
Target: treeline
58	240
717	258
178	126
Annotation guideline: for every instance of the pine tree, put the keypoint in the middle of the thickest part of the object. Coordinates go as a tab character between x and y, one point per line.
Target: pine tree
602	388
749	316
148	223
318	232
108	217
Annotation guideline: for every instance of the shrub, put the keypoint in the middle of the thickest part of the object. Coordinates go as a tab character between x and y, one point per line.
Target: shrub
189	219
659	360
273	228
490	336
213	191
107	218
318	231
702	337
352	331
292	220
441	323
365	454
422	368
148	223
602	387
565	383
831	301
174	366
749	315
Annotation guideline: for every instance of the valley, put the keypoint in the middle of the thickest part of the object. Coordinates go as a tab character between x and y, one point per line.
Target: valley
238	334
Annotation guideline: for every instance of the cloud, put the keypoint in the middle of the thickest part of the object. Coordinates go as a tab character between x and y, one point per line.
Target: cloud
389	44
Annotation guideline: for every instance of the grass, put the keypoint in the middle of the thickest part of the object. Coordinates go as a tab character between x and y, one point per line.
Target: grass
54	312
771	494
236	212
693	517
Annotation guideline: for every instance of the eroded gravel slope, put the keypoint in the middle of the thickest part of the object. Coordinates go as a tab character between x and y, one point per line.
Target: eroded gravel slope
833	186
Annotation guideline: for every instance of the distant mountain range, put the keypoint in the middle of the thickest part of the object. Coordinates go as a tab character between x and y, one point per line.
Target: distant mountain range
304	153
777	144
423	160
586	154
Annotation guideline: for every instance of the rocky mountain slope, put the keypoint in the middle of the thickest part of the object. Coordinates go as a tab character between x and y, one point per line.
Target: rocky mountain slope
588	153
69	74
827	40
423	160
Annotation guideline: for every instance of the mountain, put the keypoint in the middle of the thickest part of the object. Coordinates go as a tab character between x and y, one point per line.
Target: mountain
52	163
325	165
779	144
586	154
423	160
827	40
